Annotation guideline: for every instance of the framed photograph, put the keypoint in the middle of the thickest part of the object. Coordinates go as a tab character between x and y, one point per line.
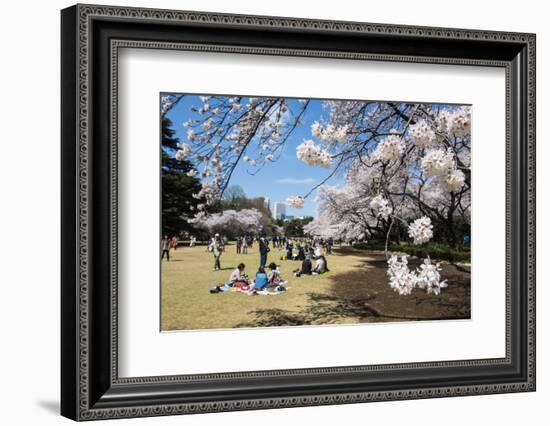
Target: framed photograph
263	212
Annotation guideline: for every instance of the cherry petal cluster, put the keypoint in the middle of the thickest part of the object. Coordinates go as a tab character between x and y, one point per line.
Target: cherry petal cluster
381	206
183	152
428	277
389	149
455	122
330	132
313	155
441	164
453	181
401	279
404	281
296	202
421	230
438	162
422	134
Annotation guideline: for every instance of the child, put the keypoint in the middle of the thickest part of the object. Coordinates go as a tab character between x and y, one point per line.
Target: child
274	275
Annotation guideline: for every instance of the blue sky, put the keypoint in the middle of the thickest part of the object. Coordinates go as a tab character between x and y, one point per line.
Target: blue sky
278	180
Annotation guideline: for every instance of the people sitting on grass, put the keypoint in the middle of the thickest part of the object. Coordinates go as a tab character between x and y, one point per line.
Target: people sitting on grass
289	255
305	269
261	280
274	275
301	254
238	276
320	265
264	283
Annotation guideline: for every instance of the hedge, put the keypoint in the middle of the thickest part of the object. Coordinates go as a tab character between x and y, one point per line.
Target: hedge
434	250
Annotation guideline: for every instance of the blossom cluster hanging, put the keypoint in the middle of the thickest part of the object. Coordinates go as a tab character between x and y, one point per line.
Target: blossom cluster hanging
422	134
296	202
183	151
404	281
455	122
313	155
330	132
381	206
421	230
389	149
441	164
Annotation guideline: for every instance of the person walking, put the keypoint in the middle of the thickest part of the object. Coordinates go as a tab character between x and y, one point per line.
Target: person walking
217	249
264	249
165	247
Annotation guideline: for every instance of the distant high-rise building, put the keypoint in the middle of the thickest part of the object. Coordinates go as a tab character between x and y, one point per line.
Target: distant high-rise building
266	203
279	210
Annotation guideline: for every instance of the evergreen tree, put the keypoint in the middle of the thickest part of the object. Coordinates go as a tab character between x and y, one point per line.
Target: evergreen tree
178	203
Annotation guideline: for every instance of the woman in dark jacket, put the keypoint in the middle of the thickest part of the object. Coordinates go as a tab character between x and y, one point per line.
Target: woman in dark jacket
289	251
305	269
301	254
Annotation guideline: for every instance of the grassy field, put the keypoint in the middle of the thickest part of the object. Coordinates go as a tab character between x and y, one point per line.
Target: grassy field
354	291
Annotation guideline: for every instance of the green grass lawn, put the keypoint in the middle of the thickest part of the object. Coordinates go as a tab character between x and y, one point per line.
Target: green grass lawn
355	290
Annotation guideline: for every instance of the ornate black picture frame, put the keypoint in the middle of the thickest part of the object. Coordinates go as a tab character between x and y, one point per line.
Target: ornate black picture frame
91	37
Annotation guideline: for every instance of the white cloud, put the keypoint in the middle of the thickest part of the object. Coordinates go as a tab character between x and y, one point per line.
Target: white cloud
295	181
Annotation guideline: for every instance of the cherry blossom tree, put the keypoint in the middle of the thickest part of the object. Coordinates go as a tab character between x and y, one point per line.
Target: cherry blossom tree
230	222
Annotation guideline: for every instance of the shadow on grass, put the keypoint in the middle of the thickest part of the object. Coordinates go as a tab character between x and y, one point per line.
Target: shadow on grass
363	295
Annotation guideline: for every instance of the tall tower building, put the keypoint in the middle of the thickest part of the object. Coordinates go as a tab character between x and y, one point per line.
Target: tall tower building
279	210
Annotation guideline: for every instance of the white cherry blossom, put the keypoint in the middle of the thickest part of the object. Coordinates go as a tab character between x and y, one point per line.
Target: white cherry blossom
296	202
381	206
389	149
313	155
421	230
422	134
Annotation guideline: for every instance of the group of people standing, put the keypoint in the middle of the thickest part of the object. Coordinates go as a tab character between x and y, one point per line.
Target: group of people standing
217	246
243	243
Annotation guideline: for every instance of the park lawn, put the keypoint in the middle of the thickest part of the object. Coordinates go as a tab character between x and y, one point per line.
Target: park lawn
354	291
186	279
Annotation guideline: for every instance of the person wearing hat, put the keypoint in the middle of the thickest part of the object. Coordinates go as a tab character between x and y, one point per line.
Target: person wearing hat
216	248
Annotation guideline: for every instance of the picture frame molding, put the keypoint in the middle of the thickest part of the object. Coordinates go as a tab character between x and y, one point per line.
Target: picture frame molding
91	388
